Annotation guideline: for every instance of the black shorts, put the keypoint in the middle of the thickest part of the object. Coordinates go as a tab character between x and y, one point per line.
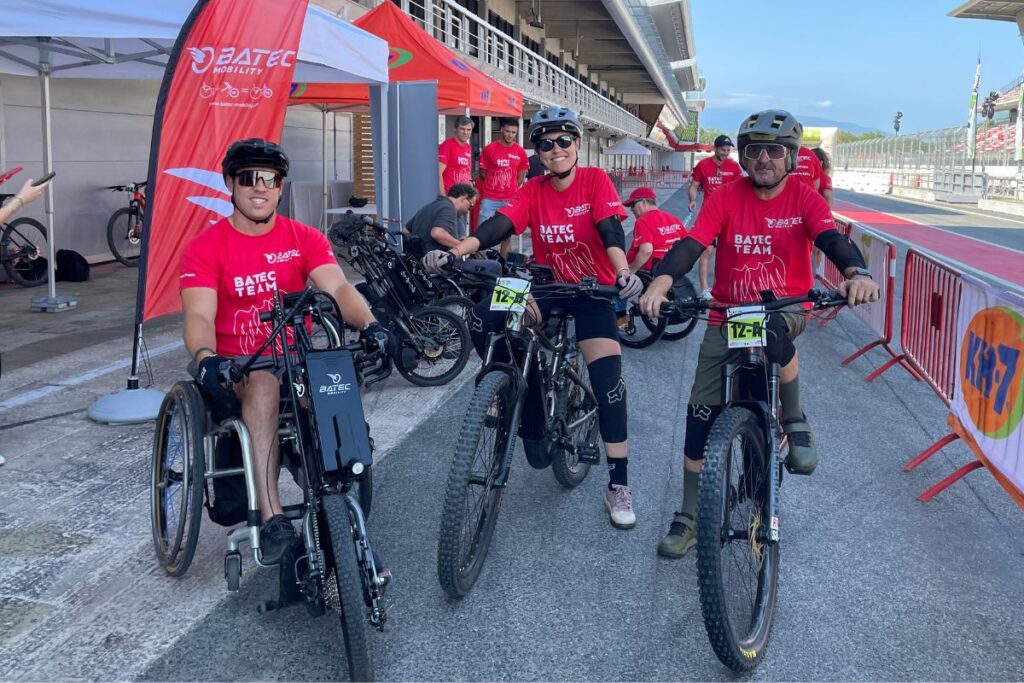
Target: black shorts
594	318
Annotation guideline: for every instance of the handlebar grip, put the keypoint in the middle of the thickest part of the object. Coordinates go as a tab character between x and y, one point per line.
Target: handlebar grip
607	291
266	316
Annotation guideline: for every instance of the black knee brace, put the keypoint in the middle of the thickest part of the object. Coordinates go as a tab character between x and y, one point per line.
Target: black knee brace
698	425
610	390
780	347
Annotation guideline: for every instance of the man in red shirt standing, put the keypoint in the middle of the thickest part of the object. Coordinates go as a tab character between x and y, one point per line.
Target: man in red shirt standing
455	163
654	232
809	170
708	176
503	166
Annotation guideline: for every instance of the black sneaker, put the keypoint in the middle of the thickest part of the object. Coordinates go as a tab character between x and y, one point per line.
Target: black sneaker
538	453
276	534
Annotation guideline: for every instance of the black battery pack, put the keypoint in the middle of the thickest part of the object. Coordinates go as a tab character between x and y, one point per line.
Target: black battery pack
337	409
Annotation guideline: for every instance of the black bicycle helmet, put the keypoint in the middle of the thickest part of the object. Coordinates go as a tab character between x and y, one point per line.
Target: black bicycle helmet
254	153
772	125
554	119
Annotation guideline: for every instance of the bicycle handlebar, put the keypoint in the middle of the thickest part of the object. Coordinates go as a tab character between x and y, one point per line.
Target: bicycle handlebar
819	297
588	286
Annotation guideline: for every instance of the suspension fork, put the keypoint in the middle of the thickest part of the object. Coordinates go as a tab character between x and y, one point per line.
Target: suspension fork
517	413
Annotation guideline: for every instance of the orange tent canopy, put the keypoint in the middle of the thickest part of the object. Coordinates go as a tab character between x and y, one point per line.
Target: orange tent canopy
416	56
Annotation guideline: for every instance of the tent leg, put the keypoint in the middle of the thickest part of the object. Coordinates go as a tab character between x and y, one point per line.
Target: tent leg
51	303
323	147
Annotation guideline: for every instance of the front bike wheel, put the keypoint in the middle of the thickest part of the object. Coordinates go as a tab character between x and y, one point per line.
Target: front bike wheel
577	406
439	349
457	304
637	331
124	236
344	586
178	478
737	567
679	325
22	250
472	500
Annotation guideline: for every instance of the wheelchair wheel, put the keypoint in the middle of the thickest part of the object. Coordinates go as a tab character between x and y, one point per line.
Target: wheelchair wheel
326	333
680	325
178	477
344	586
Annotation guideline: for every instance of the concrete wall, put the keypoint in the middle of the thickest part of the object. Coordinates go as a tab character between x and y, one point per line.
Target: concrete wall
101	136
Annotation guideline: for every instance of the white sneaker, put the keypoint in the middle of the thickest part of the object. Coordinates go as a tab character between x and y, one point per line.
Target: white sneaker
619	501
706	294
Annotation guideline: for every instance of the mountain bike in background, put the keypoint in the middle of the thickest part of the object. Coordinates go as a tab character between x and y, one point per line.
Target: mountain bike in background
22	245
124	229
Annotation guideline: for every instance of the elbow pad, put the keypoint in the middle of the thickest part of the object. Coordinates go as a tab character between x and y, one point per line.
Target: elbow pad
680	258
494	230
840	250
612	234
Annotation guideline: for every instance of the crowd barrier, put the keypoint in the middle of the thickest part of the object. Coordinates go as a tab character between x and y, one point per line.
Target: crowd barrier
630	180
871	182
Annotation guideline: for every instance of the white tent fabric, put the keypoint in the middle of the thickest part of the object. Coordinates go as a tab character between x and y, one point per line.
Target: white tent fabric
627	146
131	39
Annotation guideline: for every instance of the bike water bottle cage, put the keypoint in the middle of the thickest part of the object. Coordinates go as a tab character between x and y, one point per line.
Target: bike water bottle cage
249	178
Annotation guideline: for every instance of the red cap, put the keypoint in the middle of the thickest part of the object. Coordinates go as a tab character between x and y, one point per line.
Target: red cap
640	193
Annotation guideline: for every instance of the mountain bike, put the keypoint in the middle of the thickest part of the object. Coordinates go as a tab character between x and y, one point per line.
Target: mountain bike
124	229
483	455
738	509
23	245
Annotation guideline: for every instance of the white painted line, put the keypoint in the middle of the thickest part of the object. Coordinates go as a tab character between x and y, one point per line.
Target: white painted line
1008	218
41	392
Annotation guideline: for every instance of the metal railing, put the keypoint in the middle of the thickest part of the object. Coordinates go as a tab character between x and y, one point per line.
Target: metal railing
508	61
945	148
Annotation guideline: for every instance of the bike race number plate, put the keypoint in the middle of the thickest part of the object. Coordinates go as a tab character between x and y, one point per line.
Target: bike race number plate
745	325
510	295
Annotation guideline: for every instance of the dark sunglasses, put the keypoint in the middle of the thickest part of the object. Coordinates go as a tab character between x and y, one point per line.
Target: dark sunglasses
270	179
563	141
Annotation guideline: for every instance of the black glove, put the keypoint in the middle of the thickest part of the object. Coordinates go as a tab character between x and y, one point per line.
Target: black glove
208	376
381	338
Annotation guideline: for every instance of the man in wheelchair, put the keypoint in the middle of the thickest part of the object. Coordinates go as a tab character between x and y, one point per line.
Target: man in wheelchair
230	273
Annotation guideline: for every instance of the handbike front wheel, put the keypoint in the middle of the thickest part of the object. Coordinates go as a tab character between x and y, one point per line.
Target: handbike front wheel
344	587
638	331
472	500
439	349
738	569
178	479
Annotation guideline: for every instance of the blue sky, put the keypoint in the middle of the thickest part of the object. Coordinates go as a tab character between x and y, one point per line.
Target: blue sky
854	60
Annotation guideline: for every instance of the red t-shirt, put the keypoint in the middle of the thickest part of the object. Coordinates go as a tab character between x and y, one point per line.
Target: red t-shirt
563	225
710	176
502	164
808	169
826	182
658	228
762	244
458	161
247	271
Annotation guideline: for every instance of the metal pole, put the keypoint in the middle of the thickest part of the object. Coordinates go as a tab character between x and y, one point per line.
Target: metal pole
323	148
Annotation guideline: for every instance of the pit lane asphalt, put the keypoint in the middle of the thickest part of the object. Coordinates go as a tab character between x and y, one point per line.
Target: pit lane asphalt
875	585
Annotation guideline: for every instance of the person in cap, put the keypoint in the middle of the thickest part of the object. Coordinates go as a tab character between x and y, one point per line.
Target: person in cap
709	175
766	225
654	232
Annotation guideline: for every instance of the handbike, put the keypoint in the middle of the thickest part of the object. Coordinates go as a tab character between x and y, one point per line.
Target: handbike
323	440
483	456
738	502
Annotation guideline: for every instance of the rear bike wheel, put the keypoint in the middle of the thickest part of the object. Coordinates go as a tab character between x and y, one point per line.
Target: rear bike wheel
178	478
124	235
577	406
22	245
738	569
471	500
344	586
439	349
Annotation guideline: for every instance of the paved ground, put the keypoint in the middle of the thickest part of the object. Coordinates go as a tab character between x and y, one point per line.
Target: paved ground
875	585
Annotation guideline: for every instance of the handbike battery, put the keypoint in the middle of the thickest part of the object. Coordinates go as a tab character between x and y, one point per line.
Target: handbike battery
337	409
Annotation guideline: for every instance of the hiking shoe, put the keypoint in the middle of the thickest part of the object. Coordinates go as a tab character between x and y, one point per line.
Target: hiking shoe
681	536
802	457
538	453
619	501
276	534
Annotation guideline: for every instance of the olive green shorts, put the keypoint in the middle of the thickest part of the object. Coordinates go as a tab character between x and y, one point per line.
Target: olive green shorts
715	353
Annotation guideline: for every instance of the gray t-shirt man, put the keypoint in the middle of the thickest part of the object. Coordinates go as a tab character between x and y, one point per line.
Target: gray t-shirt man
436	223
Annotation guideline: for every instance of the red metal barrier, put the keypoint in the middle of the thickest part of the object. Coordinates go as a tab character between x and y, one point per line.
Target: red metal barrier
625	180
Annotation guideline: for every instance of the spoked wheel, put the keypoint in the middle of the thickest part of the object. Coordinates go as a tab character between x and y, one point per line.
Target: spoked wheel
578	406
680	325
178	477
638	331
737	567
124	235
471	499
343	586
23	252
439	349
457	304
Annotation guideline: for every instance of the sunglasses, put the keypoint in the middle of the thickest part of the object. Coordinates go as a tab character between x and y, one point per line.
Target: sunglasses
271	180
563	141
773	150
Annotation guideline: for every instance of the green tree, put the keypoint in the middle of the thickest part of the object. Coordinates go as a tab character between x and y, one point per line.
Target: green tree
847	136
708	135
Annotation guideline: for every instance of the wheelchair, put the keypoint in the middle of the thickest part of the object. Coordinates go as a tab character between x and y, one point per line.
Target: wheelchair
202	456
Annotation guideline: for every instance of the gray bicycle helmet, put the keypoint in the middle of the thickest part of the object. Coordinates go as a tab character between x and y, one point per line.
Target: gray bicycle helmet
254	153
552	119
772	125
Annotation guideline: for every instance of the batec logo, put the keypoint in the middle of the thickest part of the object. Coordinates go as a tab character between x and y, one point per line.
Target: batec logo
398	57
238	60
992	371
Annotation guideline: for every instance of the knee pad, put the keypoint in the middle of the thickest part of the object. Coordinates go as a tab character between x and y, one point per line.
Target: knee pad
610	390
780	347
699	418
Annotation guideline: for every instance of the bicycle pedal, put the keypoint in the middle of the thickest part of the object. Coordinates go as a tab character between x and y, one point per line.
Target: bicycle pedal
589	454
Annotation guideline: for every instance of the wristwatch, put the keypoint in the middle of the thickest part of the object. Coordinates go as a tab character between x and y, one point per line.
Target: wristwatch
861	271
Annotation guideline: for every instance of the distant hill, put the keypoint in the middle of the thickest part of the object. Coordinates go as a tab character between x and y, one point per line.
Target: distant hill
728	119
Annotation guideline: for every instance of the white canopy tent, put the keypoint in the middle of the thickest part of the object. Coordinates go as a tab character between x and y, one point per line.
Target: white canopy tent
627	146
131	39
